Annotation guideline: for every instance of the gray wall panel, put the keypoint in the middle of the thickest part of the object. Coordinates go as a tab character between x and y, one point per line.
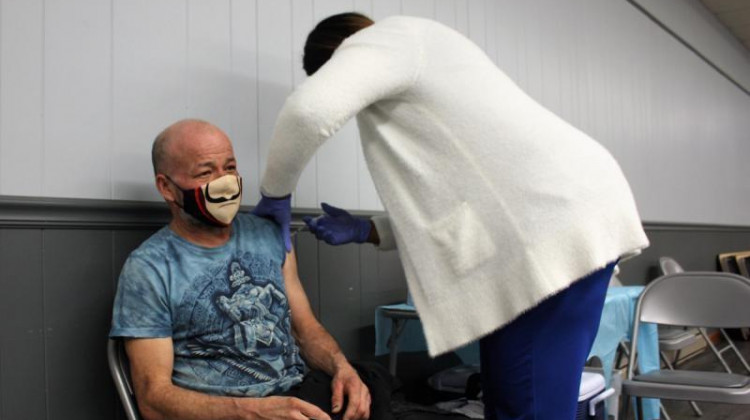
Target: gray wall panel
56	289
78	299
340	299
383	281
22	372
22	386
694	247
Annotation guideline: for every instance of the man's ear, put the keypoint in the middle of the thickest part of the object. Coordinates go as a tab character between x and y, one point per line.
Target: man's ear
163	185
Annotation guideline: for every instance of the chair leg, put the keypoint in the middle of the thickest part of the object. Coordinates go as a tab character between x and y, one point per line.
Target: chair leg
625	407
696	409
666	361
730	344
663	411
620	361
716	351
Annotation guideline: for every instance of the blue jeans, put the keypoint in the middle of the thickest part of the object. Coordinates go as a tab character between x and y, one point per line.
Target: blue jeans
531	368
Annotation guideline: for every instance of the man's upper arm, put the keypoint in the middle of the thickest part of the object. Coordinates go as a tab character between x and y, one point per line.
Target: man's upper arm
141	316
299	306
151	363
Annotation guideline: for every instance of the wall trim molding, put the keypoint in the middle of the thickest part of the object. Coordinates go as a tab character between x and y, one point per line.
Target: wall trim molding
693	227
80	213
75	213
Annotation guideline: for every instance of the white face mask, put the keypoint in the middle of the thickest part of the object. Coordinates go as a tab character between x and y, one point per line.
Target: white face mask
215	203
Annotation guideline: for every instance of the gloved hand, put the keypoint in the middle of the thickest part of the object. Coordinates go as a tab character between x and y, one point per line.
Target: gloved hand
338	227
278	210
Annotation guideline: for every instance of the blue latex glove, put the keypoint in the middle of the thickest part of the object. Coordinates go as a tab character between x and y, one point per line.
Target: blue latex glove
280	211
338	227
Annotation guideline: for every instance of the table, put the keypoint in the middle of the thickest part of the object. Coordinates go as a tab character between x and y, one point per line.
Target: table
616	326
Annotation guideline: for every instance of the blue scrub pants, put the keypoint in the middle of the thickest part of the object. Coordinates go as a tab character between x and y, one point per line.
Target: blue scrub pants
531	368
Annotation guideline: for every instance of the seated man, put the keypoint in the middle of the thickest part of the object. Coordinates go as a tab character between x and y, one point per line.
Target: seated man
212	309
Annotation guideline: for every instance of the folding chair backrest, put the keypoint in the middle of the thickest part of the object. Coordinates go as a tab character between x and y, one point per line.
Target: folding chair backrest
697	299
120	370
669	266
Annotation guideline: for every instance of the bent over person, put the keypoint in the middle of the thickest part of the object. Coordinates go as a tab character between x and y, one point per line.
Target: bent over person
508	220
215	320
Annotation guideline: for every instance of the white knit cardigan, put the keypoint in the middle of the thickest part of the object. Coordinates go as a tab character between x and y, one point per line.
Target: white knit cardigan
495	202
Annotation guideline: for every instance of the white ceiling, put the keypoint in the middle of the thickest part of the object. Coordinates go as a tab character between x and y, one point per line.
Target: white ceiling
735	15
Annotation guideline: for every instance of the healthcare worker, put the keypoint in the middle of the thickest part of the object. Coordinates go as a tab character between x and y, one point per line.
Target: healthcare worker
508	220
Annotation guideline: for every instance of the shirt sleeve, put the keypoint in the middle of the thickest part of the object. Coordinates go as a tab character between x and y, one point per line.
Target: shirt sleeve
385	233
363	70
141	307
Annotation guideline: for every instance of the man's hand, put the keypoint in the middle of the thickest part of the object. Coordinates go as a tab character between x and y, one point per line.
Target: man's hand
281	408
346	383
338	227
278	210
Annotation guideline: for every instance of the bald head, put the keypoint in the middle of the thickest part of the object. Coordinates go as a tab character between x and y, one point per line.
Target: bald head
180	138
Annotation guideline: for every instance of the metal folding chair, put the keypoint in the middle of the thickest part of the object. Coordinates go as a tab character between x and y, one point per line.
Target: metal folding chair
120	370
697	299
677	338
670	266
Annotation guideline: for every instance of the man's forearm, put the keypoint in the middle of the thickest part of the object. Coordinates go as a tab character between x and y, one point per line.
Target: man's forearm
173	402
320	349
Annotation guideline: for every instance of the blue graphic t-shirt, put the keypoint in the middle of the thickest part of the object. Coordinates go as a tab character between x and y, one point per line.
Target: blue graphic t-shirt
225	309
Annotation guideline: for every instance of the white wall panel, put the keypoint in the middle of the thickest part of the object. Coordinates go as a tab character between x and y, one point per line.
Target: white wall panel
604	76
564	44
275	75
148	87
551	53
364	7
243	128
477	11
78	106
303	21
462	16
85	85
384	8
21	97
490	26
325	8
421	8
508	30
445	12
210	61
